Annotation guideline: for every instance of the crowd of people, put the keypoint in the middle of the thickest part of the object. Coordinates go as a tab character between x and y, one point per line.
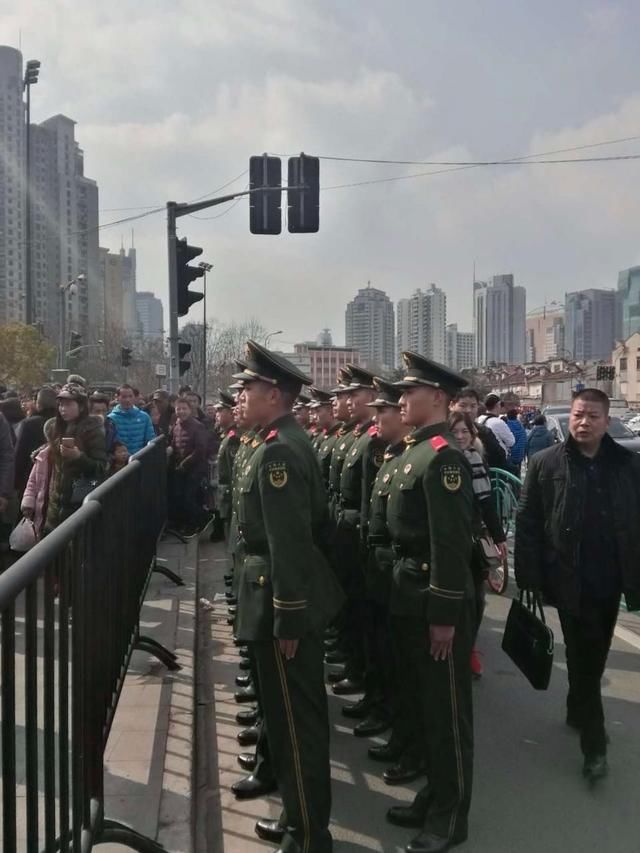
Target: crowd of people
60	441
358	522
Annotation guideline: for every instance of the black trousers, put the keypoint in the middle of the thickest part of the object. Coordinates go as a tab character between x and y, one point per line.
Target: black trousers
587	639
294	704
184	504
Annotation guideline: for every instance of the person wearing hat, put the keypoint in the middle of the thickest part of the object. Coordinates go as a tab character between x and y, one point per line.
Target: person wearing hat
302	414
392	701
78	452
287	595
226	423
430	516
326	426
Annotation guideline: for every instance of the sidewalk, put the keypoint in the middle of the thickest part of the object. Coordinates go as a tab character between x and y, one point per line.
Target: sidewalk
148	760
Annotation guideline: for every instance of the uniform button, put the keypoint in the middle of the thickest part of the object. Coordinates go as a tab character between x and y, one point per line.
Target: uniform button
425	567
261	580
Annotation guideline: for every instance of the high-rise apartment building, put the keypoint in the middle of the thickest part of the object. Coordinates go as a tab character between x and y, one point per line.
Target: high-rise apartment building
460	349
12	188
150	315
499	311
422	323
118	289
64	214
369	328
545	333
590	324
628	303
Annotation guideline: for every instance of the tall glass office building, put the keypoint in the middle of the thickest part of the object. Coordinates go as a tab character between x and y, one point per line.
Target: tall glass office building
629	302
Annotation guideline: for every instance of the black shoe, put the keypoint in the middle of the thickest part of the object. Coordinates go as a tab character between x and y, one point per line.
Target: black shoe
402	772
233	610
335	656
411	817
245	665
348	687
248	737
373	725
246	694
231	620
595	767
248	761
357	710
243	651
338	675
270	830
385	752
427	842
250	788
243	680
228	578
247	717
330	644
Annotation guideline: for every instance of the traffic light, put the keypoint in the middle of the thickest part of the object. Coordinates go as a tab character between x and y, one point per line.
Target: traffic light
185	275
183	350
265	212
304	204
125	356
75	340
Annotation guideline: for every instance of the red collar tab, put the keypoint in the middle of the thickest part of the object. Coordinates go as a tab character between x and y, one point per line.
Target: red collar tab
231	433
272	434
373	430
438	443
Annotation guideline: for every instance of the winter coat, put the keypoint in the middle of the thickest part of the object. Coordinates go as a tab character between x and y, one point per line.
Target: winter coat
518	450
92	464
134	427
30	439
550	522
539	439
36	491
6	458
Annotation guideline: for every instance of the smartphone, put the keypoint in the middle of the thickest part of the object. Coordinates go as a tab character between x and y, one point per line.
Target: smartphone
68	441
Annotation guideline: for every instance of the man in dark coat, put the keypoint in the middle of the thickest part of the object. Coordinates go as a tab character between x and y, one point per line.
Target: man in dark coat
576	541
31	436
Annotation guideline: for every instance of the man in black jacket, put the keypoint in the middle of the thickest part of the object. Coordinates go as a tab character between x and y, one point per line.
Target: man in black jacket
576	541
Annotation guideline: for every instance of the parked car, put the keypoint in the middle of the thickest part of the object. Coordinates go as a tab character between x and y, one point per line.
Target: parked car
634	424
558	424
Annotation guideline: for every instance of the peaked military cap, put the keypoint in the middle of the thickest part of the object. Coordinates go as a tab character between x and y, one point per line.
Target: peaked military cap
262	365
360	378
320	398
225	400
344	380
303	402
388	394
424	371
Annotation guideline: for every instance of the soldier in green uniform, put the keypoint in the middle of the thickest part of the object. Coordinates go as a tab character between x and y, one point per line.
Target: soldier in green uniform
430	518
321	408
287	597
356	481
226	422
302	414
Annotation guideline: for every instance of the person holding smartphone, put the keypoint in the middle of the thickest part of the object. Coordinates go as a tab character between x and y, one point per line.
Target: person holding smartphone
78	452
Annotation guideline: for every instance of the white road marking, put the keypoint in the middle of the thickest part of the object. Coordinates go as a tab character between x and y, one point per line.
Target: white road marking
627	636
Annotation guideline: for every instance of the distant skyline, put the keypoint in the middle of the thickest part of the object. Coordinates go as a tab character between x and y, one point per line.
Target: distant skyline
463	81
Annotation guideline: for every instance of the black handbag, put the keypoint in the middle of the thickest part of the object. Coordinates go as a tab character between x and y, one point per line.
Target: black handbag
82	487
528	640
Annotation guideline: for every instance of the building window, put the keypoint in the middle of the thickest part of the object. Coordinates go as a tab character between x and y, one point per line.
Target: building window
623	364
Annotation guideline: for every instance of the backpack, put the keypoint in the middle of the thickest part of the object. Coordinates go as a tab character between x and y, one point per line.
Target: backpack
494	451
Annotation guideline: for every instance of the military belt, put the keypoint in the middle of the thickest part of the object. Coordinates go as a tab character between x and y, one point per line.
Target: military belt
412	551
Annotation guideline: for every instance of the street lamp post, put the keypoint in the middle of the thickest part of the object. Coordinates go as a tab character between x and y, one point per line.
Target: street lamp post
30	79
207	268
66	290
268	337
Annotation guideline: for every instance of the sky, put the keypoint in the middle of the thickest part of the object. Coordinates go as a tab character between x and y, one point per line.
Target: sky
172	98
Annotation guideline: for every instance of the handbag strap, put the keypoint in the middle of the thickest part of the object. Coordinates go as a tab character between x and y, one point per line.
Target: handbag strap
533	601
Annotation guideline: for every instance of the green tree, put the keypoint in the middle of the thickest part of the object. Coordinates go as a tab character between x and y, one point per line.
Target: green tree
25	356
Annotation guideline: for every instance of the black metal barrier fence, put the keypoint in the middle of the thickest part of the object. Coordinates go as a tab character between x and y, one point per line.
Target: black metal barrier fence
69	616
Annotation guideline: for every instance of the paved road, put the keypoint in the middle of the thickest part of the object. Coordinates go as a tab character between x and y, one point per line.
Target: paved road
529	795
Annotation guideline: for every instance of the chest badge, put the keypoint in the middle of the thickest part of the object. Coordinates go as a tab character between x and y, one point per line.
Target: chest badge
407	468
378	458
451	476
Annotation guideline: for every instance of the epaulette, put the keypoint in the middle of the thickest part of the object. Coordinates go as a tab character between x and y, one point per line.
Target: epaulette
373	430
438	443
409	439
273	434
256	442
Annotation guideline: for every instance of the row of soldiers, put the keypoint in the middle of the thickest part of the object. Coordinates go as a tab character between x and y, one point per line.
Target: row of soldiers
350	542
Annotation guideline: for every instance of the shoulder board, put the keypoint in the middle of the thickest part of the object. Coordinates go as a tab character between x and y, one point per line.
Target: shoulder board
373	430
438	443
273	434
256	442
388	456
409	439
